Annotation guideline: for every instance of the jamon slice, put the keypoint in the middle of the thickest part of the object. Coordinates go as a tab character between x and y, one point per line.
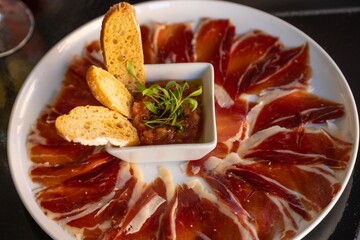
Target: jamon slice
93	54
292	109
230	122
75	91
297	146
142	220
173	43
167	43
56	174
265	218
95	224
196	168
273	196
72	195
191	214
46	146
147	41
290	183
288	69
246	51
212	43
59	154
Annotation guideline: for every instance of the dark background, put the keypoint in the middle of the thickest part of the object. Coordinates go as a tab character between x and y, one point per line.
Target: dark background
334	24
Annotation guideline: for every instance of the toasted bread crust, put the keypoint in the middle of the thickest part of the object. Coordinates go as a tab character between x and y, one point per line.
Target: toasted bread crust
109	91
96	125
120	40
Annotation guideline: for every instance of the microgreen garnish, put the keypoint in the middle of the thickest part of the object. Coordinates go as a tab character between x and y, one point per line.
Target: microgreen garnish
166	103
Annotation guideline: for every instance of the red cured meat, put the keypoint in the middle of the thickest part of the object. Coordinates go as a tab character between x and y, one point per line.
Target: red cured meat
142	220
298	146
191	216
167	43
93	54
247	50
212	43
147	41
233	116
195	168
113	213
98	222
288	68
51	175
174	43
291	183
295	109
46	146
76	192
59	154
252	206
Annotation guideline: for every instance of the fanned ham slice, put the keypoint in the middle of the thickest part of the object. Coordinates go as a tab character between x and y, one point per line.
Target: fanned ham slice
246	51
212	43
93	54
74	194
193	214
167	43
46	146
273	197
142	220
147	41
111	213
267	218
291	109
52	175
233	116
297	146
287	69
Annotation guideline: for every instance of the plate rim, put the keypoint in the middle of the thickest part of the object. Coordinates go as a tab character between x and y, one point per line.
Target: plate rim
14	164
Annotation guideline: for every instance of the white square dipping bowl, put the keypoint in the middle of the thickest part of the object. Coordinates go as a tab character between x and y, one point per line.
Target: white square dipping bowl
181	151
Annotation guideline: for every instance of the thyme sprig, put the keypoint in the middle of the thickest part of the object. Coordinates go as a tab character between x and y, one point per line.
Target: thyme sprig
166	103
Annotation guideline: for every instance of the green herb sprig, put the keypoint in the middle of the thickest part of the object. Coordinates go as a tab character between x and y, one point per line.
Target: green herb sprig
166	103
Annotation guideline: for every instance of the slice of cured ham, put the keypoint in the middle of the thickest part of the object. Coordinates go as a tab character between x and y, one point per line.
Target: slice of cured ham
167	43
246	51
287	69
233	116
142	219
212	43
291	109
271	197
193	214
46	146
297	146
74	194
56	174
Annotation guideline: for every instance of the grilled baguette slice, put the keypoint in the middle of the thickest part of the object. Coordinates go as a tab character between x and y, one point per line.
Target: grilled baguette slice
95	126
120	40
109	91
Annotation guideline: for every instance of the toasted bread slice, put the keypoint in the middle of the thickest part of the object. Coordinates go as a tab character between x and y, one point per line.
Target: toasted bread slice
109	91
120	40
95	126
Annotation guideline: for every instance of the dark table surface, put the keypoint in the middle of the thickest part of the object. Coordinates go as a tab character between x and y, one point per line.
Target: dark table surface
334	24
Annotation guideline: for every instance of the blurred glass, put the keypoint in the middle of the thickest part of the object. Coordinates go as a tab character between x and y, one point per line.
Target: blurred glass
16	26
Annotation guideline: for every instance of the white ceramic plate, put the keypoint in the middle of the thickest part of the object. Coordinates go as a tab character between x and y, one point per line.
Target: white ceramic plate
38	89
